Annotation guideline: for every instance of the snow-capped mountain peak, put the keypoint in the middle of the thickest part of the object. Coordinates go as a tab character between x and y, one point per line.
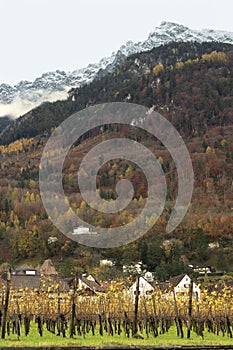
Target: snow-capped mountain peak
51	86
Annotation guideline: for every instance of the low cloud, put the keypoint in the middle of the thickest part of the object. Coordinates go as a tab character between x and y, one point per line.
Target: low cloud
20	106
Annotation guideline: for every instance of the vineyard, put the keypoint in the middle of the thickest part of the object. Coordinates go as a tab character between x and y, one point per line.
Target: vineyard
116	316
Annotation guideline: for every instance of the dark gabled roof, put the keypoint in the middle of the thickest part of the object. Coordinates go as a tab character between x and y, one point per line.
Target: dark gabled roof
161	286
25	281
174	281
22	270
93	285
47	268
25	267
37	282
69	280
91	277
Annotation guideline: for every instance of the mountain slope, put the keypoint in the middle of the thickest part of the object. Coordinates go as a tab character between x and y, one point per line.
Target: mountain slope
4	122
53	86
135	81
191	84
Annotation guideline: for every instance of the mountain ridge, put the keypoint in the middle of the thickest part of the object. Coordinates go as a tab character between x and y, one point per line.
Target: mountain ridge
52	86
136	78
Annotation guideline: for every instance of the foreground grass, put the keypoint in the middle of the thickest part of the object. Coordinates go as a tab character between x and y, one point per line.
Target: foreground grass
170	338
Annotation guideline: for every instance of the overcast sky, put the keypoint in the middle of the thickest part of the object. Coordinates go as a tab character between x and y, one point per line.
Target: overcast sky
38	36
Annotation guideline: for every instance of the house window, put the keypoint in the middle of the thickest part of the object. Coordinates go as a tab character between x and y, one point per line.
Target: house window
149	292
135	292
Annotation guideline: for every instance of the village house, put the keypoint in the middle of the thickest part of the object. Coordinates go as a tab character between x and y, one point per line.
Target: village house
25	270
145	287
82	230
133	268
32	278
204	270
179	284
25	276
106	262
89	285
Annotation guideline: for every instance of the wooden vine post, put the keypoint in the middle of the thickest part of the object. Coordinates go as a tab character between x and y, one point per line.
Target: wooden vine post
7	295
135	322
190	309
58	311
73	310
177	319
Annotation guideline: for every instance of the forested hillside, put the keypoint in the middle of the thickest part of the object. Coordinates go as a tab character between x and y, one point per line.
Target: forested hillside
191	85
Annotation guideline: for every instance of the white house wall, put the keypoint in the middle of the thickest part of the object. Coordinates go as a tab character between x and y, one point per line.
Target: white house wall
184	284
145	287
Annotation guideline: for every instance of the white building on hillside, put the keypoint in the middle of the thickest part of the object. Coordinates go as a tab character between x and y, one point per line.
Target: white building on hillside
82	230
